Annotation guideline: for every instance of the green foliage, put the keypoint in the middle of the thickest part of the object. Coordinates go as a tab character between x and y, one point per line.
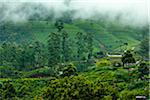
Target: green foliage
80	46
40	72
59	25
103	62
8	90
27	58
95	84
103	74
23	55
68	88
66	47
144	48
9	52
26	88
32	55
82	51
123	81
108	97
10	72
54	49
89	44
127	58
69	70
122	75
77	88
23	90
122	86
104	89
126	94
105	33
39	54
1	90
143	70
137	85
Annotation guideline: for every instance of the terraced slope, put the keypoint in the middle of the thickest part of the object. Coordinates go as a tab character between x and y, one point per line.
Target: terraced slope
109	36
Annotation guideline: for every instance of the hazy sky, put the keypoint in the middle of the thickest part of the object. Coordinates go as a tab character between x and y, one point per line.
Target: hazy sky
133	11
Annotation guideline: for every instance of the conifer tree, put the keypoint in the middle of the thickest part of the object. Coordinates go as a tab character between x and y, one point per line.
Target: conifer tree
89	44
80	43
39	54
54	49
59	25
65	47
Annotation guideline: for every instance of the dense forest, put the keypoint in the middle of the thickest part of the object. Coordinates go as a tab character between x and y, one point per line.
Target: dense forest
48	58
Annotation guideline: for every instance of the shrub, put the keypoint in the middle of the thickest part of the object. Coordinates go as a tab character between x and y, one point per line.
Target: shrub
23	90
143	69
121	86
69	88
103	89
121	75
69	70
131	95
78	88
103	62
108	98
1	91
10	72
8	90
137	85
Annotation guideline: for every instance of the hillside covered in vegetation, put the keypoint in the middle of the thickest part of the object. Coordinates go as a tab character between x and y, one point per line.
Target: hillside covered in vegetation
44	57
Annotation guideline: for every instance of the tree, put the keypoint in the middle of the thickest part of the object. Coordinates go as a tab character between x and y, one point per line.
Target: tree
69	70
54	49
9	54
144	48
79	88
143	70
27	59
70	88
104	89
1	90
66	49
89	44
81	51
59	25
80	43
5	53
39	54
127	58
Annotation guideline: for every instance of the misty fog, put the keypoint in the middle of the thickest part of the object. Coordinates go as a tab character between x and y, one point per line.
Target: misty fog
132	12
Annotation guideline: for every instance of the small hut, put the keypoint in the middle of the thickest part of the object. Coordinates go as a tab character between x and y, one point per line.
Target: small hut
115	59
